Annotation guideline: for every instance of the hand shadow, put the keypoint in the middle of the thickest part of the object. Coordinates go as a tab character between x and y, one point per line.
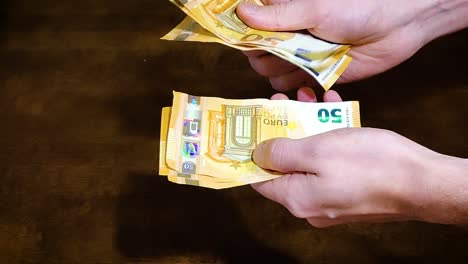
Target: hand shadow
161	219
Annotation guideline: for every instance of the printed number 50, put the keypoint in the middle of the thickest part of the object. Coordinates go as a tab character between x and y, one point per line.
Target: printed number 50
326	116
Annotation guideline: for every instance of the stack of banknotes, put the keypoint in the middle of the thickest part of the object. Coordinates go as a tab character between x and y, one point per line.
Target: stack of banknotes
216	21
209	141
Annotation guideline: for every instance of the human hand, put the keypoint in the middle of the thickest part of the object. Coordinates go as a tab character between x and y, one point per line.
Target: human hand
358	175
382	33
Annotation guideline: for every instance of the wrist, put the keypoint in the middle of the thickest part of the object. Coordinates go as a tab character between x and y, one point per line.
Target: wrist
441	17
442	196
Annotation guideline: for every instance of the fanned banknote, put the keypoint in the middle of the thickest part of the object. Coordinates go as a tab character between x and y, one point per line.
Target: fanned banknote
209	141
190	30
216	21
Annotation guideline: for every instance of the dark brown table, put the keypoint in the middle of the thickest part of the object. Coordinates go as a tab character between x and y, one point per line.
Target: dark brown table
81	88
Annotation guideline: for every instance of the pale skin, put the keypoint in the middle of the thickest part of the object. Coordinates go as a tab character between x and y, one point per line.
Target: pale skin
382	33
362	174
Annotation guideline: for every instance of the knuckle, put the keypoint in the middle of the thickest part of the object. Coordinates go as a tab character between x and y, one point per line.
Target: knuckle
247	53
296	209
259	66
278	83
298	200
322	13
341	132
254	53
279	12
318	223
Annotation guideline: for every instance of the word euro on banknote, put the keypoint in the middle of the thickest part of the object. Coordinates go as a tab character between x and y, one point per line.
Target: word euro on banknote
322	60
209	141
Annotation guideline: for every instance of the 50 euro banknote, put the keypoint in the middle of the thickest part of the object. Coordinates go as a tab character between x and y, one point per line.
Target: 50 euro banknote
324	61
209	141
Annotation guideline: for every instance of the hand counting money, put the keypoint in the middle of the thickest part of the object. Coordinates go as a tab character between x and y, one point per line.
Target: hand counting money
209	141
216	21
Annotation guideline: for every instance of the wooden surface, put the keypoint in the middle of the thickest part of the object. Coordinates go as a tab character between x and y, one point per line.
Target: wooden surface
81	88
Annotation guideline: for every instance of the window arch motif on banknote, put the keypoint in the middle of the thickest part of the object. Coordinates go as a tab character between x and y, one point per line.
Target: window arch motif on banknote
242	131
234	133
243	128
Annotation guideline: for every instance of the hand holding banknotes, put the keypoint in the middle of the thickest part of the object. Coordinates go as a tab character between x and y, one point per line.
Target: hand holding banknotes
382	33
362	175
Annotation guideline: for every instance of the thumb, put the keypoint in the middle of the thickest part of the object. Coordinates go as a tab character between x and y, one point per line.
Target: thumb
283	155
283	16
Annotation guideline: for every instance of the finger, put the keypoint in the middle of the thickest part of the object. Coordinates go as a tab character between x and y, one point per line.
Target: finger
271	65
292	80
306	94
282	16
332	96
275	190
279	96
284	155
293	191
255	53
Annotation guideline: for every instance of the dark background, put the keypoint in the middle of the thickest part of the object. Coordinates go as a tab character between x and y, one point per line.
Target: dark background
82	84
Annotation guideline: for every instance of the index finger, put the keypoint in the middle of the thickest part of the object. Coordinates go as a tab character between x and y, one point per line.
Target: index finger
254	53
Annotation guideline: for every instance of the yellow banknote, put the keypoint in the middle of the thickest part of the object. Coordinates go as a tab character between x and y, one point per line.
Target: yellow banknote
190	30
216	137
219	17
322	60
181	178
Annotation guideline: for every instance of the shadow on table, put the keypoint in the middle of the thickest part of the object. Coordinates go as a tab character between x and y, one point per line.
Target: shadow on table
161	219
